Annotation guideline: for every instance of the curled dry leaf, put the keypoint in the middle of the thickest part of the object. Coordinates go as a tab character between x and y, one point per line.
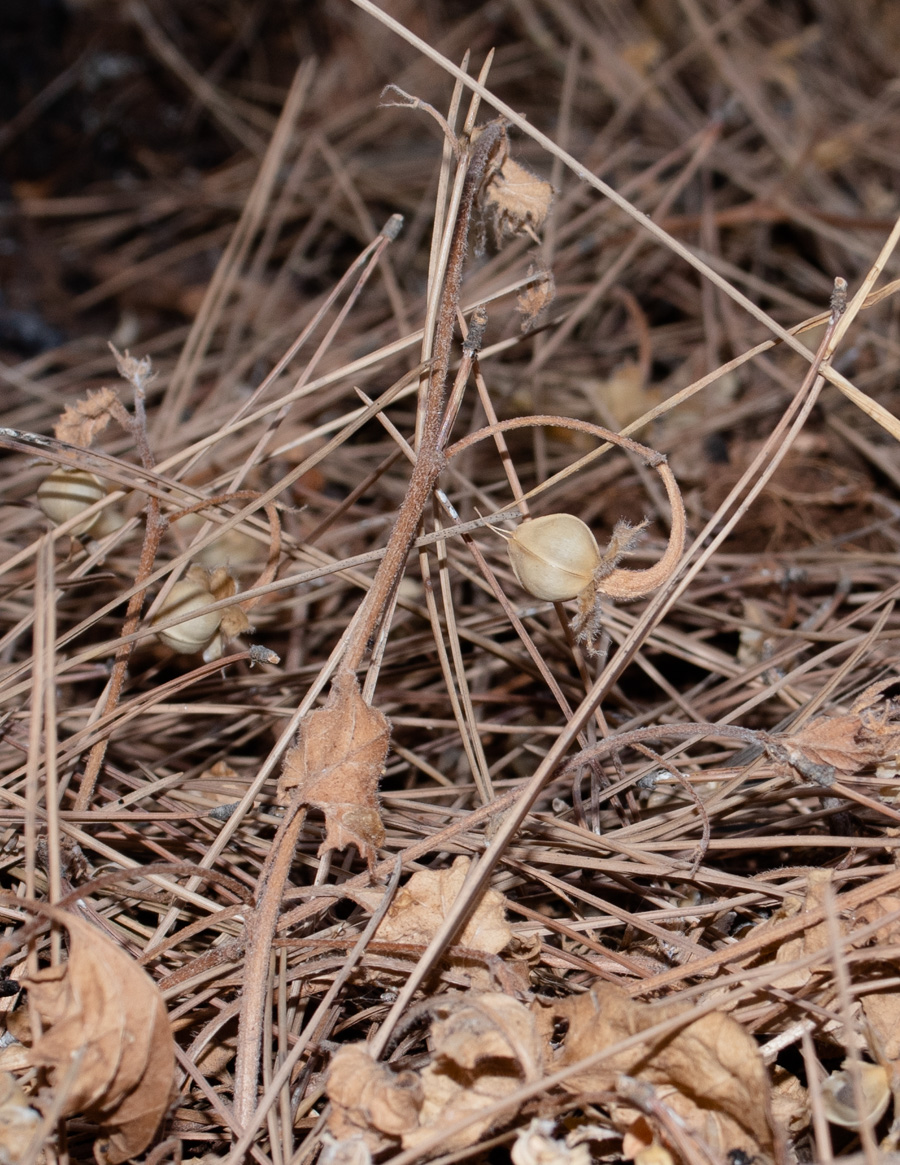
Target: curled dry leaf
484	1047
709	1072
867	735
370	1100
104	1006
81	422
516	200
18	1121
536	1145
535	297
420	906
336	766
882	1011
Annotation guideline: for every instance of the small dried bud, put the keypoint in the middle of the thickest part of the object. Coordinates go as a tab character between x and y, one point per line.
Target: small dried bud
554	557
194	634
68	492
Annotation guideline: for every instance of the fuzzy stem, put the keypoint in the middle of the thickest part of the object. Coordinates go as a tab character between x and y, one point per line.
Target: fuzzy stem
428	465
430	459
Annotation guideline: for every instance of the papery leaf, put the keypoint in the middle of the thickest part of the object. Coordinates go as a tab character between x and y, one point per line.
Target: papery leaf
336	766
103	1006
867	735
420	906
711	1062
486	1046
369	1099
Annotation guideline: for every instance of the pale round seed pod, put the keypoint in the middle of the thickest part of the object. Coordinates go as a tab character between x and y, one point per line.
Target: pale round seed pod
554	557
68	492
194	634
839	1101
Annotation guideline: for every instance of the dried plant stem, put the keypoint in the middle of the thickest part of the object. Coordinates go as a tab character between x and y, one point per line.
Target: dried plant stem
260	932
139	374
430	459
429	463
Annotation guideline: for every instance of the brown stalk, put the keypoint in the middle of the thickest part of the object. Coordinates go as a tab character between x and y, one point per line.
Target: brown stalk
429	462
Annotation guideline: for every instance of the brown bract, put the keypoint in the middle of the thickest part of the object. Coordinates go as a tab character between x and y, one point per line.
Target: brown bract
336	766
80	423
103	1007
516	200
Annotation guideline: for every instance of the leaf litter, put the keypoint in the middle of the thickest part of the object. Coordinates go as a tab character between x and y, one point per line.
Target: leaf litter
684	949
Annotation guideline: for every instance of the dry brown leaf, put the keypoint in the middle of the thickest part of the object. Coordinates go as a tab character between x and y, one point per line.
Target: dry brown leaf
882	1010
102	1005
715	1129
80	423
536	1145
711	1062
516	200
886	907
625	393
485	1048
369	1099
18	1121
790	1101
812	938
336	766
420	906
869	734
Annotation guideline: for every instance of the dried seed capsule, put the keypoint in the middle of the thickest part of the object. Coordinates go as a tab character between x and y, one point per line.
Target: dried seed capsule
66	493
194	634
554	557
839	1100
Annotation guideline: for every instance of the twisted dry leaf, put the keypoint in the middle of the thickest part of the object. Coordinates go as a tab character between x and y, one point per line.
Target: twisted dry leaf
336	766
18	1121
484	1048
710	1069
420	906
370	1100
102	1005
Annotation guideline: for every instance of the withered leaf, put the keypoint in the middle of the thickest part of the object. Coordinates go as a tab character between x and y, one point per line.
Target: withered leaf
102	1005
80	423
420	906
882	1011
18	1121
869	734
536	1145
369	1099
485	1047
535	297
336	766
711	1062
